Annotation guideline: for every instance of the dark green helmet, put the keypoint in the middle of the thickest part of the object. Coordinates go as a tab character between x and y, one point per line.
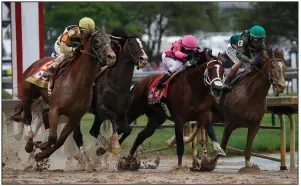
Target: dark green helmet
257	32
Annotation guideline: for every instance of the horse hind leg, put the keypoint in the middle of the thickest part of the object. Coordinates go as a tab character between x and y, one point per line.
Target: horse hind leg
27	102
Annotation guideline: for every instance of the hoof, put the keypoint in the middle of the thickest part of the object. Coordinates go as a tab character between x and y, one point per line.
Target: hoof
39	157
128	163
29	146
208	163
252	168
100	151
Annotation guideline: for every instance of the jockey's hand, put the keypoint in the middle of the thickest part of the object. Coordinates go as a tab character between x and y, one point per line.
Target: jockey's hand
77	49
188	57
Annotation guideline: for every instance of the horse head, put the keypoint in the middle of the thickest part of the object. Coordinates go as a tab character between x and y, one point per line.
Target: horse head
275	67
133	47
214	72
97	45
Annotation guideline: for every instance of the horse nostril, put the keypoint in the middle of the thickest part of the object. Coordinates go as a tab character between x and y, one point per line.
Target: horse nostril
111	56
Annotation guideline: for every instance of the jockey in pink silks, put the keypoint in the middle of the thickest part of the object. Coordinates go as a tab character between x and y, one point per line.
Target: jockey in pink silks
177	57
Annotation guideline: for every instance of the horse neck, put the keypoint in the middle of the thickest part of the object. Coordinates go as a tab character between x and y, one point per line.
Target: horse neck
122	73
85	68
195	77
260	84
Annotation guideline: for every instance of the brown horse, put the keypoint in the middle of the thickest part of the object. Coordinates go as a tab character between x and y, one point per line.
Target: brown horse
71	94
245	105
112	91
188	99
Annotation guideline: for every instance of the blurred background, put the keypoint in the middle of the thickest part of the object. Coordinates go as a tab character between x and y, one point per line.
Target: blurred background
161	23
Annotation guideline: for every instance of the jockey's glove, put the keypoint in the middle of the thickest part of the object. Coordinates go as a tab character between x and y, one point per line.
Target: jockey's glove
251	61
188	57
76	49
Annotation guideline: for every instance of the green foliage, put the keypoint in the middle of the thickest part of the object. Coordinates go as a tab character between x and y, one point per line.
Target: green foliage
278	19
58	15
152	18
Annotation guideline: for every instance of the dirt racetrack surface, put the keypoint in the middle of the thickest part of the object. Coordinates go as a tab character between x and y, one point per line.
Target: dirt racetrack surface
15	157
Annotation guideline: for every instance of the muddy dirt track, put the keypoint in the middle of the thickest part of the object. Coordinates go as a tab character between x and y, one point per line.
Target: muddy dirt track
14	157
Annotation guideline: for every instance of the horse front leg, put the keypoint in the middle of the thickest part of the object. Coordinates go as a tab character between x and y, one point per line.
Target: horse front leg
68	128
78	138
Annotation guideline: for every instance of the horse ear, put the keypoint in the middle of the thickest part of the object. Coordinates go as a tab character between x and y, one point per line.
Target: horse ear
208	58
282	54
219	56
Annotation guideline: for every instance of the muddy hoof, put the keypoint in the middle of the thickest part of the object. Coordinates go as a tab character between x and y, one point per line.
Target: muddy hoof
29	146
196	165
128	163
39	157
252	168
208	163
100	151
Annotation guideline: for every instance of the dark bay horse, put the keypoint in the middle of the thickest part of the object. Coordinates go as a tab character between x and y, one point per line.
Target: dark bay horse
245	105
71	94
188	98
111	95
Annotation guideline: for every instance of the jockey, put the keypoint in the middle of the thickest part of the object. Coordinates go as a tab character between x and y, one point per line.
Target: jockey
62	45
177	57
118	38
241	48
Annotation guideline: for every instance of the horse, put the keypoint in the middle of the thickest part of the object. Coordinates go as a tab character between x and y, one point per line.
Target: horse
245	105
78	76
192	88
111	95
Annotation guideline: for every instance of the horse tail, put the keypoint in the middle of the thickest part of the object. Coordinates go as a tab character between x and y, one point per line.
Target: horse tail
17	113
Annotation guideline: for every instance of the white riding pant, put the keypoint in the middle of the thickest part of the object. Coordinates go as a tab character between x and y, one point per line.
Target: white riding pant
59	56
173	65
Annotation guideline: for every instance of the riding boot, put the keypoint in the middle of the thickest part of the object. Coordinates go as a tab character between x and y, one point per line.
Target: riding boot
54	65
228	79
162	81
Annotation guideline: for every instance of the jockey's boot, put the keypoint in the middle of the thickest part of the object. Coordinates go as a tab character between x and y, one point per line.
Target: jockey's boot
48	72
229	77
162	81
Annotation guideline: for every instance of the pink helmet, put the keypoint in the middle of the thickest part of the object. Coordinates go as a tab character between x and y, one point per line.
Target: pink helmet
189	42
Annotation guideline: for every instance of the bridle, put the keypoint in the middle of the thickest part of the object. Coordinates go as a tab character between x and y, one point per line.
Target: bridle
131	54
269	76
99	56
207	80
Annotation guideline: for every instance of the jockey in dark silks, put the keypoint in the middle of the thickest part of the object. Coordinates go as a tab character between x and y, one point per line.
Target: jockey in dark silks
118	38
241	48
